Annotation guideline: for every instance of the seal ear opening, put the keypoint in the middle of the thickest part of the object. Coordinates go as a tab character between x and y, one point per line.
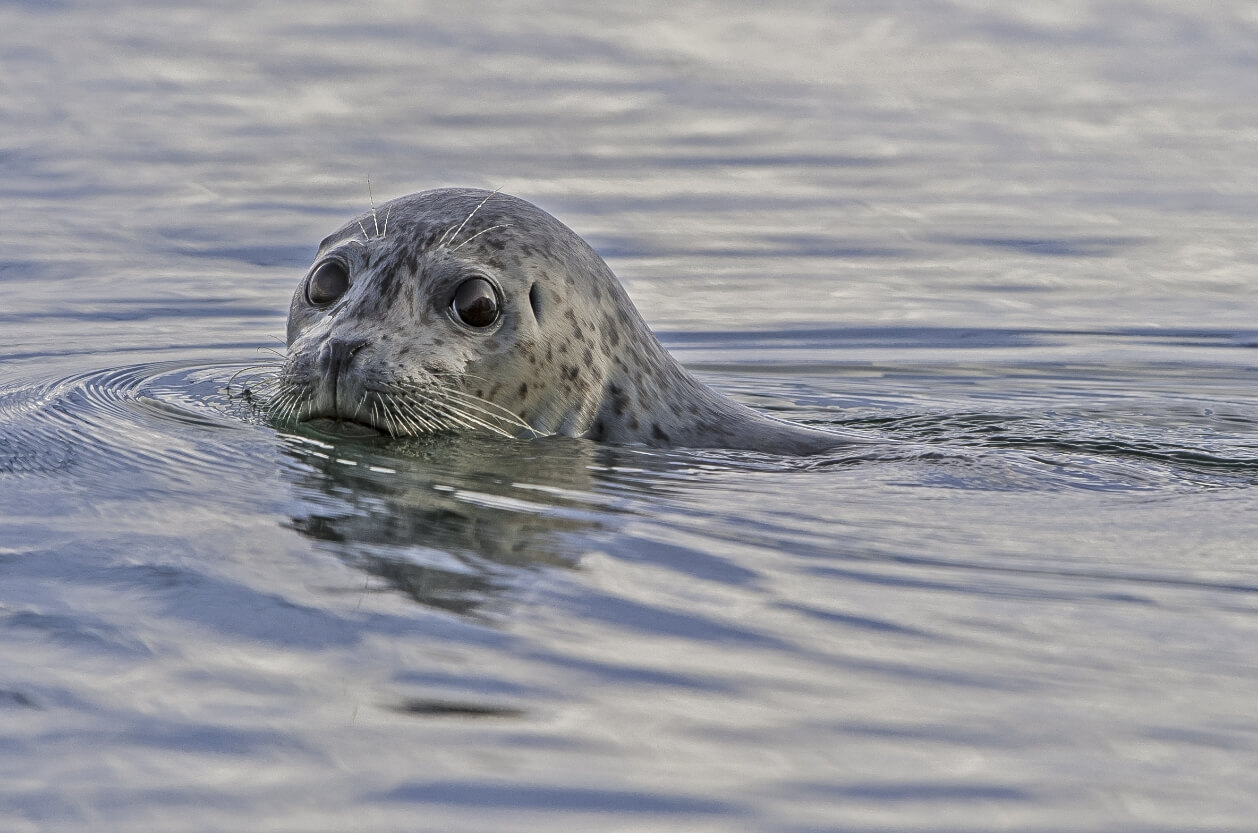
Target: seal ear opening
535	301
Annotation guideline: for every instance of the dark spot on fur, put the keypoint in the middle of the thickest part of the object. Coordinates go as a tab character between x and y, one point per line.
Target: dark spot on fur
619	400
632	423
388	287
524	388
658	433
599	431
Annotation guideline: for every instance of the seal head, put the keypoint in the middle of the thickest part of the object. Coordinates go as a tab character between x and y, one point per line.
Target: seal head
463	309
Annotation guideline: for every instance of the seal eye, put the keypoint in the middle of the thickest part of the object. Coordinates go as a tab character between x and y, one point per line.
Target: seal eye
476	303
328	283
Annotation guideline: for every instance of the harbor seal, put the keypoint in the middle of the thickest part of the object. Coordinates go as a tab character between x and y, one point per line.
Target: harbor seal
464	309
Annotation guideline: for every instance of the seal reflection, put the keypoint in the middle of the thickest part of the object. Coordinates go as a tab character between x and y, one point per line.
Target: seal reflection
452	521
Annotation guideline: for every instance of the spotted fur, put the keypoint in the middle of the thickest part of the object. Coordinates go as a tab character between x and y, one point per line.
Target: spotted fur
569	354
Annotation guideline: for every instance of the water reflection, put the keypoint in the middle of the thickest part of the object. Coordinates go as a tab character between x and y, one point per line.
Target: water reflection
451	521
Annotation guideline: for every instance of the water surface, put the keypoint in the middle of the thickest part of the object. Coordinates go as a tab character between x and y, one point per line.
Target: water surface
1013	246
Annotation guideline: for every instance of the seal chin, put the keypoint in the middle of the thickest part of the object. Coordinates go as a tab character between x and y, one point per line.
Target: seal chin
342	427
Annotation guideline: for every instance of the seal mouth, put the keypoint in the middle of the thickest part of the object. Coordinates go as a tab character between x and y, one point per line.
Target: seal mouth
402	408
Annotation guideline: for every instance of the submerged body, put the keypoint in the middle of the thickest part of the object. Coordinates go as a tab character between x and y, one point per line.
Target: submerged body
466	309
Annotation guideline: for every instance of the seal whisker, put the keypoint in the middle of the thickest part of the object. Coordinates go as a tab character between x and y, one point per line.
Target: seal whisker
458	410
427	417
380	416
420	422
455	236
435	418
423	421
442	411
463	420
279	408
405	424
461	401
491	410
399	420
478	234
422	417
455	401
266	367
265	388
291	405
371	200
390	420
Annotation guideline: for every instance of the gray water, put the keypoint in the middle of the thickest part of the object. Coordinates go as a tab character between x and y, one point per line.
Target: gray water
1012	243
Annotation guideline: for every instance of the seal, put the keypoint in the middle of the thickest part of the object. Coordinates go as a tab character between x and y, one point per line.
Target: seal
463	309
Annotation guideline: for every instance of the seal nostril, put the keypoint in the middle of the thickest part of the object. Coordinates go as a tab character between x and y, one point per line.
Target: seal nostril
338	353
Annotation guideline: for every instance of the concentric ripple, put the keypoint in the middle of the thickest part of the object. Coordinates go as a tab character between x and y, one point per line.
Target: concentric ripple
168	418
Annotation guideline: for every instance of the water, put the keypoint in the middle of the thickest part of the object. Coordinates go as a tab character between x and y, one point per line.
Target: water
1014	245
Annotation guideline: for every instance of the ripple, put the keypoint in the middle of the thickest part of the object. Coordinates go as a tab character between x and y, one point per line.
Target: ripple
1096	449
161	416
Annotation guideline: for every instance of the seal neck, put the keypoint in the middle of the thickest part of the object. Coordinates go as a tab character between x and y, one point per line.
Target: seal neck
649	398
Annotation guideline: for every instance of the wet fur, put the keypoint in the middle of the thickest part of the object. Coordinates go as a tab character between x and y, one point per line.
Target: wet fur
569	355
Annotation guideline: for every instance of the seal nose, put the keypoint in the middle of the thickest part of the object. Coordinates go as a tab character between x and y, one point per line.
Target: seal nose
336	357
337	354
